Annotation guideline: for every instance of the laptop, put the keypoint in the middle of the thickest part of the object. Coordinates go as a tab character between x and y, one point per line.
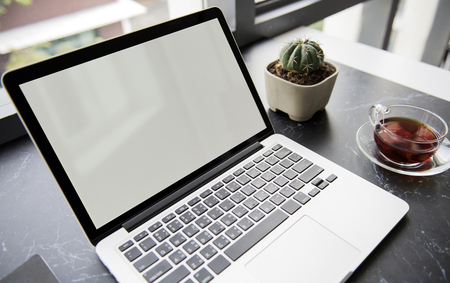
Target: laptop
161	145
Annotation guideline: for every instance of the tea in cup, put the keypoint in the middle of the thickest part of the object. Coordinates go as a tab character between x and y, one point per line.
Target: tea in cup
407	135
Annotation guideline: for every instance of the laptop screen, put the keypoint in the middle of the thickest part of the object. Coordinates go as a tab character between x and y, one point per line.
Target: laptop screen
129	124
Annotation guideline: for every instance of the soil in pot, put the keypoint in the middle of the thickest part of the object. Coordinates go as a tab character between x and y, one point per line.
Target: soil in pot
313	78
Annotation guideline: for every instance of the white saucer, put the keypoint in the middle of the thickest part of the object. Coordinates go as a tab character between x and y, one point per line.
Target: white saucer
439	163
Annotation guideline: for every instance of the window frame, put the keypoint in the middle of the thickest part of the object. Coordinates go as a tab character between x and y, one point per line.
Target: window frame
256	21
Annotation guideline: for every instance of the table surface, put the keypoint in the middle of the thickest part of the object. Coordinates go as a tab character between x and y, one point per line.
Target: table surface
36	219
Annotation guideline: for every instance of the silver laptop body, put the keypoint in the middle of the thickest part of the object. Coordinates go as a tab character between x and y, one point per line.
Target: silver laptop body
163	149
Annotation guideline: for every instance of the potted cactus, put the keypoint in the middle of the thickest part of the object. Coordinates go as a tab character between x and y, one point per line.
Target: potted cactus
300	82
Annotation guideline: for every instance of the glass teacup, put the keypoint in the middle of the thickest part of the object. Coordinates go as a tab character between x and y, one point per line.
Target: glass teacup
407	135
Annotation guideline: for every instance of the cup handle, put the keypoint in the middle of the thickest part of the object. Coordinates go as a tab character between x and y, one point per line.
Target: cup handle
375	110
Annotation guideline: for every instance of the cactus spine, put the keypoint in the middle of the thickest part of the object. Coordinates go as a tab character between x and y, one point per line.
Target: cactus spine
302	56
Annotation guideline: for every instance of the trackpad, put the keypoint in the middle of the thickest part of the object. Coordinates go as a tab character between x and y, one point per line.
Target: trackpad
307	252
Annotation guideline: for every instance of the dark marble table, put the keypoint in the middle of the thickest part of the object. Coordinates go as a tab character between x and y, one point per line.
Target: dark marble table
36	219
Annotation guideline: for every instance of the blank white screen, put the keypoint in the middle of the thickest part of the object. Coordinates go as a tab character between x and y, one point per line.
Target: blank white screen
130	124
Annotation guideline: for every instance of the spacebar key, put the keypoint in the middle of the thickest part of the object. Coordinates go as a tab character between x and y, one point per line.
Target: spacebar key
255	235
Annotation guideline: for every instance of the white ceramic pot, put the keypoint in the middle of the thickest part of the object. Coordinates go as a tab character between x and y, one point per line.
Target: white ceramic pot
300	102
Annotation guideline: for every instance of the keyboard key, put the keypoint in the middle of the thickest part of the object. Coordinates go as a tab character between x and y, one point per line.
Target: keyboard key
233	186
177	256
314	192
125	246
177	275
249	165
157	271
256	215
283	153
228	179
217	186
140	236
277	169
277	147
237	197
263	167
168	218
281	181
154	227
258	159
253	173
133	254
226	205
233	233
290	174
191	247
286	163
258	183
195	262
323	185
208	252
194	201
177	239
331	178
245	224
271	188
174	226
268	176
316	182
191	230
203	276
146	261
267	207
228	219
277	199
311	173
267	153
182	209
238	172
215	213
161	235
252	237
199	209
187	217
206	193
287	192
291	206
248	190
296	184
302	165
164	249
272	160
251	203
295	157
219	264
221	242
216	228
204	237
239	211
261	195
222	194
203	221
211	201
302	198
243	180
147	244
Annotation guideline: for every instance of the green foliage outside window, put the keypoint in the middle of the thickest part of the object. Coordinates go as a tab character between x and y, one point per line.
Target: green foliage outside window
5	3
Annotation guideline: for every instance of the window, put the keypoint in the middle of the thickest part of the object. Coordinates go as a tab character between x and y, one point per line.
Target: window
32	30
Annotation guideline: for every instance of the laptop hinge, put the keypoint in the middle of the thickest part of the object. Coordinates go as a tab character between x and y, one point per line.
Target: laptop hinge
189	188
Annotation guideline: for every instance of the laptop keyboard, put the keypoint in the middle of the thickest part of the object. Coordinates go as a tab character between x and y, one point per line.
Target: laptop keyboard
205	235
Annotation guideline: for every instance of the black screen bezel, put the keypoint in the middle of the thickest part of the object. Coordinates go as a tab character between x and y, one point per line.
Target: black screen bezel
13	79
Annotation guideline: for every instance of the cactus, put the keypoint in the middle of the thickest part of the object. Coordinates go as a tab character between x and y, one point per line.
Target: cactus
302	56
